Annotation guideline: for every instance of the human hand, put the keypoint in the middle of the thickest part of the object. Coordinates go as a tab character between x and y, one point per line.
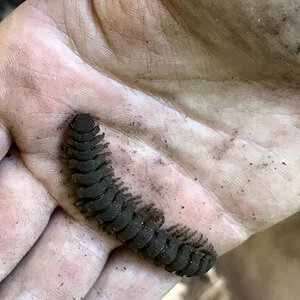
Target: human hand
200	104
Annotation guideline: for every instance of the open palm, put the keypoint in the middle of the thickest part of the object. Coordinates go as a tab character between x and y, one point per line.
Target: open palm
200	104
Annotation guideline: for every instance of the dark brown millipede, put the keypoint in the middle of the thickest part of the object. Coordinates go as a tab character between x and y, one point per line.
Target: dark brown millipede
103	197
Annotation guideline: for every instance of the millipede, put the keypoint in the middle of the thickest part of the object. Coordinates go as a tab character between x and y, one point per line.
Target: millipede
103	197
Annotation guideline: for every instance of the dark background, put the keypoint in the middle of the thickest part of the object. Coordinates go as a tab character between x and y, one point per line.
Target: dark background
6	6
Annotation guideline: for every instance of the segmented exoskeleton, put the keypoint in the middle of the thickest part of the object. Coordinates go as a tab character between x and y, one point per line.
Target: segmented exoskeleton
103	197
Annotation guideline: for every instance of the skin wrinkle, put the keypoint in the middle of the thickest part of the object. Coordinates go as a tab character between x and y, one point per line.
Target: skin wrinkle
129	271
117	107
73	43
78	240
45	205
67	267
233	218
167	3
143	135
34	81
227	136
180	21
90	64
240	231
98	20
166	101
121	78
126	38
236	38
200	118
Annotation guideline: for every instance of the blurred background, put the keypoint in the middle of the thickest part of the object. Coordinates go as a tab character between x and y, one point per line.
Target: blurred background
266	267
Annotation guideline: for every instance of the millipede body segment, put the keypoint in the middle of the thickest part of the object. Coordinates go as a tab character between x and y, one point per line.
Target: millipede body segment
102	196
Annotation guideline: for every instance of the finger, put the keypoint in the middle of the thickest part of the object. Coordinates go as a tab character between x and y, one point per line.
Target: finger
25	209
128	276
64	263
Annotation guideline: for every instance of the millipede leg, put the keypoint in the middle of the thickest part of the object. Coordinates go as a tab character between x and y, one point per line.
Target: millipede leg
153	213
104	198
188	238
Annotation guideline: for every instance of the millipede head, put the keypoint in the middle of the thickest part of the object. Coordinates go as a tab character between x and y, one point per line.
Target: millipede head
83	123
